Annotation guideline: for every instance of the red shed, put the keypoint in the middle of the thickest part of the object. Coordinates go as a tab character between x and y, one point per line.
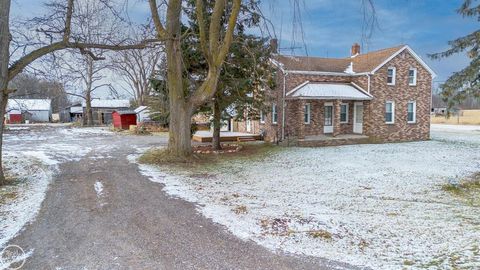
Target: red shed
15	118
123	119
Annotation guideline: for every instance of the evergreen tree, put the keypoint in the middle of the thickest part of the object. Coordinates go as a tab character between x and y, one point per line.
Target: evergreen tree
465	83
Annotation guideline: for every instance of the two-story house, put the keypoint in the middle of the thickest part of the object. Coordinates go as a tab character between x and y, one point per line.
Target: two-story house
382	96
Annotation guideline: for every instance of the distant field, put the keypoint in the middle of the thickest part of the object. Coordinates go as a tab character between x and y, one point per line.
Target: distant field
467	117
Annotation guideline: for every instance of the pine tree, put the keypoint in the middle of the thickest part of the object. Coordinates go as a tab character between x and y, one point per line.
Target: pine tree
465	83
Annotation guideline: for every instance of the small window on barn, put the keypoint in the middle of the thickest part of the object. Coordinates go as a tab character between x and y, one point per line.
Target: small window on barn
344	113
274	114
411	112
306	114
391	73
262	117
412	77
390	112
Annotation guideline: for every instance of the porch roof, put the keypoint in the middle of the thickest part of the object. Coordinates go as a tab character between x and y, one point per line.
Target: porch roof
331	91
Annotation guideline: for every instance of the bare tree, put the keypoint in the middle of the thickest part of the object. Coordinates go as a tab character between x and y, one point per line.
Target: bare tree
83	72
31	86
53	32
136	68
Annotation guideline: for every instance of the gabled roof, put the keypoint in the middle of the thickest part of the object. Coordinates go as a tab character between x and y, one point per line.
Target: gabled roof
321	90
109	103
29	104
122	112
141	109
307	63
359	64
369	61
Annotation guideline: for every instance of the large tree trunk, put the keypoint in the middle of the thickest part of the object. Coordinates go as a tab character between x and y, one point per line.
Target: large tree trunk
179	142
4	60
88	109
217	119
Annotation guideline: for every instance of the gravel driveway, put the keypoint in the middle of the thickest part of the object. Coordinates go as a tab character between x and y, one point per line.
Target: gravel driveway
101	213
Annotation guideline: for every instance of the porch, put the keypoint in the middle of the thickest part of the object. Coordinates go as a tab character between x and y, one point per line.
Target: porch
329	113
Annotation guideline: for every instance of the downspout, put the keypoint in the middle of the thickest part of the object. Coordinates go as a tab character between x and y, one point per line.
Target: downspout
283	104
368	88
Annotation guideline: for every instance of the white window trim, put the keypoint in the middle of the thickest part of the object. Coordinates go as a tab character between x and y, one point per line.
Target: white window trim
344	122
262	117
307	105
394	75
393	111
414	77
414	112
274	112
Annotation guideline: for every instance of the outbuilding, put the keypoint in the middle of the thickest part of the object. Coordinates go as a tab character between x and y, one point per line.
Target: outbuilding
123	119
31	110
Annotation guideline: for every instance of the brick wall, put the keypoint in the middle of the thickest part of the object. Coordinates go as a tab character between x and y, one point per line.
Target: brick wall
374	111
401	93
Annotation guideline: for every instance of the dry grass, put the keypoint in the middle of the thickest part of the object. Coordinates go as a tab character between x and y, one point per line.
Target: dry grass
467	117
163	157
467	189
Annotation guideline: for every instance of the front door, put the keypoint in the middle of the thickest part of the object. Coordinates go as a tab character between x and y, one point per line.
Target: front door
328	115
358	118
249	125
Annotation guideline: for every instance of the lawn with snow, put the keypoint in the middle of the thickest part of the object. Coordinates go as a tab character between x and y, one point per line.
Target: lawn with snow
380	206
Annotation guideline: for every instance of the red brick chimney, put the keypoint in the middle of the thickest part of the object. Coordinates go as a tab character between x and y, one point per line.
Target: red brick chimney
355	49
274	45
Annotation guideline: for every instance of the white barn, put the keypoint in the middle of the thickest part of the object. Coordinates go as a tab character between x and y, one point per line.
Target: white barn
34	110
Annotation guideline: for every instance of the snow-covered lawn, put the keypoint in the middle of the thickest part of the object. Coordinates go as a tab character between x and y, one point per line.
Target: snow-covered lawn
380	206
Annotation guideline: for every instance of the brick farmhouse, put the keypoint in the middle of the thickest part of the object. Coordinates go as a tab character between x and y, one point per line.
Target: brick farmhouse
381	96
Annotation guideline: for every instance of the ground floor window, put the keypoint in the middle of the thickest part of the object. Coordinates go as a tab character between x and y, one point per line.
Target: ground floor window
262	117
274	113
344	113
389	112
306	117
328	115
411	112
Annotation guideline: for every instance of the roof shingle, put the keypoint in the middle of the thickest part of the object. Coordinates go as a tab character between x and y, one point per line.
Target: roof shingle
361	63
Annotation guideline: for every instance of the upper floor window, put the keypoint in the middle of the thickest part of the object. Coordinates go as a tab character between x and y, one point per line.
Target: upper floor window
412	76
391	73
262	117
389	112
307	114
411	112
274	114
344	113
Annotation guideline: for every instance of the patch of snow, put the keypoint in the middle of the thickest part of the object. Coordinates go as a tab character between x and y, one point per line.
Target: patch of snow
383	204
98	188
28	195
17	128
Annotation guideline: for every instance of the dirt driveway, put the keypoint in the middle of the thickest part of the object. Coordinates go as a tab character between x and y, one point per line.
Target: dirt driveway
101	213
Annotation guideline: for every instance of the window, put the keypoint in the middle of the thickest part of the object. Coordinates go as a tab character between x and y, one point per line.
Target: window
262	117
274	114
344	113
391	72
306	114
390	112
412	76
328	115
411	112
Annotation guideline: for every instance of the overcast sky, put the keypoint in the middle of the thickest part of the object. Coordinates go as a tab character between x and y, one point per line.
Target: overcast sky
330	27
